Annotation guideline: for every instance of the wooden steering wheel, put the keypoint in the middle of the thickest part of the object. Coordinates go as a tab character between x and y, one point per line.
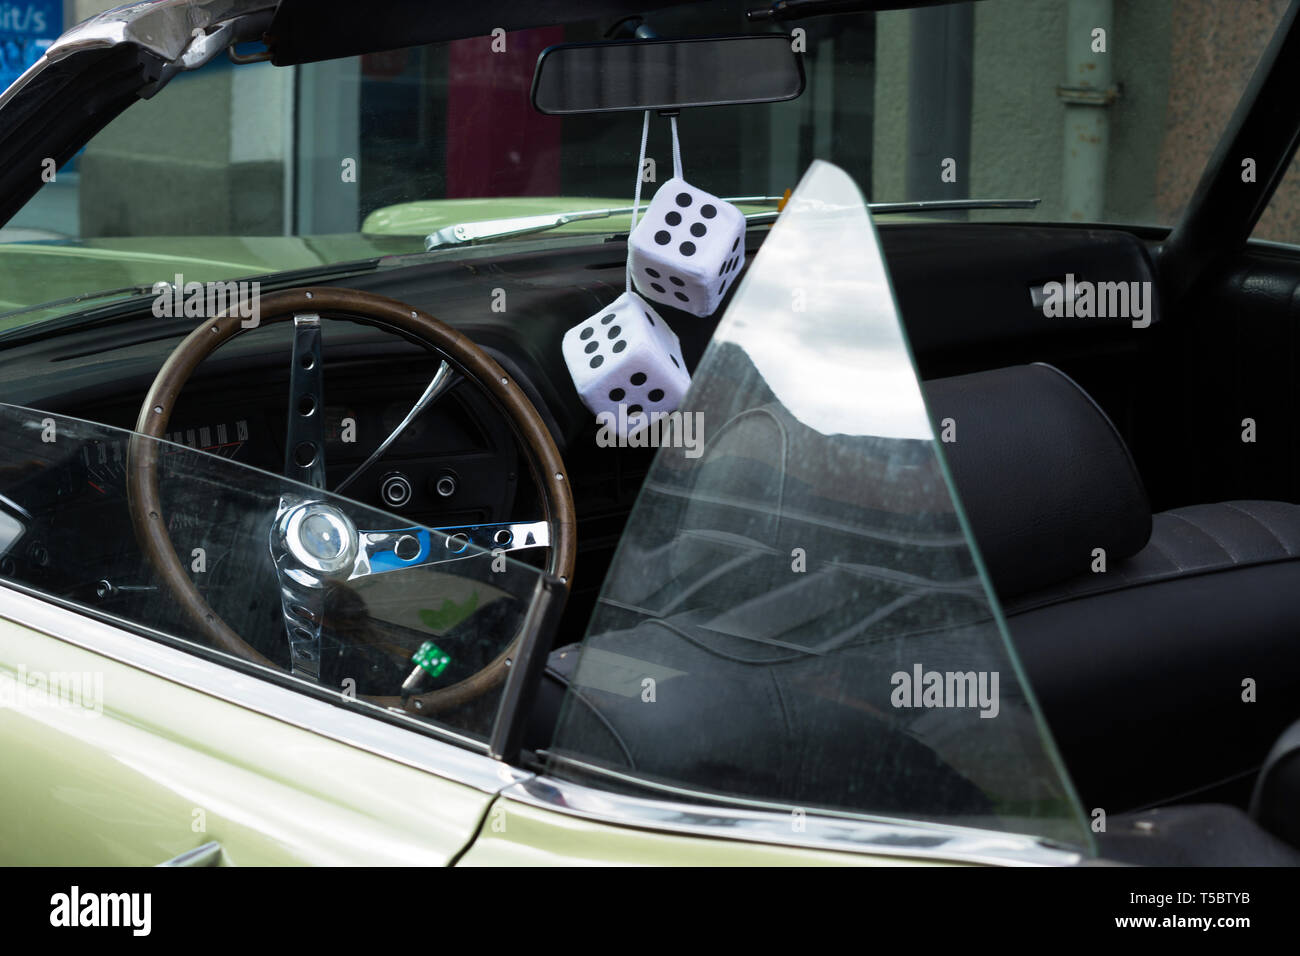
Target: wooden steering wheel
306	308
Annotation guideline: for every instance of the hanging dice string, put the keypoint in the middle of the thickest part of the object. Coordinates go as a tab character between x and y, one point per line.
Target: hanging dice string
677	148
640	175
625	360
636	192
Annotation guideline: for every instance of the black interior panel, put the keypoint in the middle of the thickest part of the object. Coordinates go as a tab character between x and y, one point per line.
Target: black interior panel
1235	357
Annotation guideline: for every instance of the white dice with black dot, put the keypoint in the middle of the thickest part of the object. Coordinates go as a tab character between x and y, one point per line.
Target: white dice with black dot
688	248
626	355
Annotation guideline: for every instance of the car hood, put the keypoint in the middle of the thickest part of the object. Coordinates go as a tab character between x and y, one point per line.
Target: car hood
45	271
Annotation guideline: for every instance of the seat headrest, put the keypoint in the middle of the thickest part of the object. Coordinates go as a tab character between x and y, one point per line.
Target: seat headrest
1042	473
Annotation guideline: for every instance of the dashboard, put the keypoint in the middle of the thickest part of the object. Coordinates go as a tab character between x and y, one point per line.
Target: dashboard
237	402
457	463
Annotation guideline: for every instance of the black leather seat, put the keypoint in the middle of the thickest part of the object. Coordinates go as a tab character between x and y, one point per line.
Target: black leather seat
1276	800
1193	835
1138	668
1218	835
1146	670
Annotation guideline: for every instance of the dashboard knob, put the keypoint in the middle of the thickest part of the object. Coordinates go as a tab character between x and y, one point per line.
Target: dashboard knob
395	489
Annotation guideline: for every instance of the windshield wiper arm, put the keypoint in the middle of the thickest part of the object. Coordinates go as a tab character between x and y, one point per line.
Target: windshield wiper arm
487	230
934	205
83	297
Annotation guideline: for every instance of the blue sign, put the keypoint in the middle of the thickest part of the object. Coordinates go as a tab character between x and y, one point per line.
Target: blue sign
27	28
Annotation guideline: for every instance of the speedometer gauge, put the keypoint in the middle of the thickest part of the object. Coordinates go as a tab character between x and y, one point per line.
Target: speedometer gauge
224	438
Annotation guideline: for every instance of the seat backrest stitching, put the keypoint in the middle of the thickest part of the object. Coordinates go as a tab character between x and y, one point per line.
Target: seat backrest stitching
1255	518
1154	542
1222	547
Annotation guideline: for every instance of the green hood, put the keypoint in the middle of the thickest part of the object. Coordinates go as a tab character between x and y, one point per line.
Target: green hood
35	272
44	271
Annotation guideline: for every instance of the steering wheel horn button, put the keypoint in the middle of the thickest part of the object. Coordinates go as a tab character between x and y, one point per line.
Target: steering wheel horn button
319	537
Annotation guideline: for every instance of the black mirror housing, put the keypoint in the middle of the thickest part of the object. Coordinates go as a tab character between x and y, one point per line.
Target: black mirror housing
639	75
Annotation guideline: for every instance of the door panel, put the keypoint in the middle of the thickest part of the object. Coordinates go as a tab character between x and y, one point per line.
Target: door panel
1238	357
140	769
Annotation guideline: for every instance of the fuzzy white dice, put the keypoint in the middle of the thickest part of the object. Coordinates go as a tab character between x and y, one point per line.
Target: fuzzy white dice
627	361
688	248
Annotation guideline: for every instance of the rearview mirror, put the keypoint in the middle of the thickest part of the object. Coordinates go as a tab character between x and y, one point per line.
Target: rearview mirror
666	74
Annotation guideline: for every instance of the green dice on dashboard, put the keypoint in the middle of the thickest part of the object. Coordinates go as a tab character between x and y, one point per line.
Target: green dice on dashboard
432	658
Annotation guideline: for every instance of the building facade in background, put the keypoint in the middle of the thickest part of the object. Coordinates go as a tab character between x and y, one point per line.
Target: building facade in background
1105	110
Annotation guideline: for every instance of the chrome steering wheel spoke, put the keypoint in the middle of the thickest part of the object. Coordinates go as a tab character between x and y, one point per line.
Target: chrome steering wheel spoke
304	445
314	542
300	536
444	380
394	550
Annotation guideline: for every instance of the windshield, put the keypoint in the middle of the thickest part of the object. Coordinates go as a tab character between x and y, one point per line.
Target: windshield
796	617
66	532
245	170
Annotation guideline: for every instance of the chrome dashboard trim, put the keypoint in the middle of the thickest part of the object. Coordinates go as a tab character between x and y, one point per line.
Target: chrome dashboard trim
412	747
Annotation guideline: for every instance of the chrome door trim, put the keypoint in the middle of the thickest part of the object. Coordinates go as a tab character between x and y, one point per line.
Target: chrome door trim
876	836
414	747
207	855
